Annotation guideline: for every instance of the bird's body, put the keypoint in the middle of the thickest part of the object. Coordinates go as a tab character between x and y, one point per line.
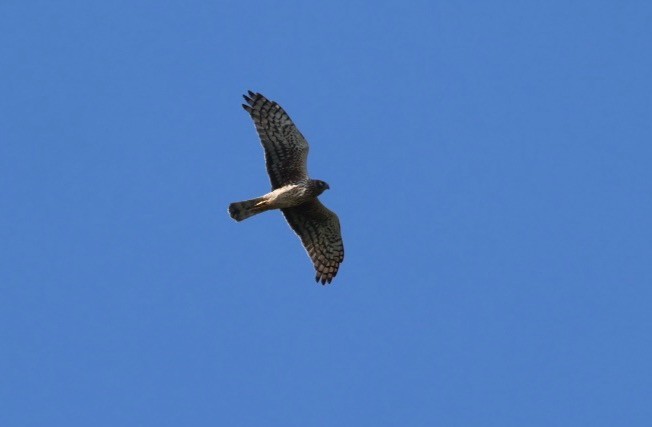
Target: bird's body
286	153
288	196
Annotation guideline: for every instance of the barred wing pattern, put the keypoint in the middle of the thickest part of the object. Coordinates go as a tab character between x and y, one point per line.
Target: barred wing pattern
319	231
286	150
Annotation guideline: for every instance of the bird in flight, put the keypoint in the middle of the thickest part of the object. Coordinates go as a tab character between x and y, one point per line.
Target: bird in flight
293	192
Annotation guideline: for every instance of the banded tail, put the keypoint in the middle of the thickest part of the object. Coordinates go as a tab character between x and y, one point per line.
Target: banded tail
243	210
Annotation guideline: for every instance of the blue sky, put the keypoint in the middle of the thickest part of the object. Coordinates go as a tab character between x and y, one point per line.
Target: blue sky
489	161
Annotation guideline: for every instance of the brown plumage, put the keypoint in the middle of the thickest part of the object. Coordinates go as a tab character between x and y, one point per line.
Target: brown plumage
286	153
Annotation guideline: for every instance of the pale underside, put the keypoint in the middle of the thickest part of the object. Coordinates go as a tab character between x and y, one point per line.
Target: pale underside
287	196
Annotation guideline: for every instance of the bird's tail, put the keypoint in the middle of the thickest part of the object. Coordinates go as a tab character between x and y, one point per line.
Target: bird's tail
243	210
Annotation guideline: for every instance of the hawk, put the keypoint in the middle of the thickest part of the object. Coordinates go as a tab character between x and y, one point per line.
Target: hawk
293	192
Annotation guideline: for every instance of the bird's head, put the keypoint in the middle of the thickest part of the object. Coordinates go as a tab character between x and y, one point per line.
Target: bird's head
320	186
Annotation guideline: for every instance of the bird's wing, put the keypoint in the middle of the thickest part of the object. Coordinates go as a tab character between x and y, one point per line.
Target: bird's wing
286	150
319	231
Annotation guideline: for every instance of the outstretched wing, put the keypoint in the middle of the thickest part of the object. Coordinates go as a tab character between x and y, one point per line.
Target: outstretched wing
286	150
319	231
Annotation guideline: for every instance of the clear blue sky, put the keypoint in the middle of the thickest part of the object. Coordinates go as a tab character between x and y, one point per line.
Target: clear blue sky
490	163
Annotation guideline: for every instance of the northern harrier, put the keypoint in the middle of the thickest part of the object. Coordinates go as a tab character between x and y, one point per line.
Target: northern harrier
293	192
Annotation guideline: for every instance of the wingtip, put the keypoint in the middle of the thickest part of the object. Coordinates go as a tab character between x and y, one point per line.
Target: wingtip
249	98
323	279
